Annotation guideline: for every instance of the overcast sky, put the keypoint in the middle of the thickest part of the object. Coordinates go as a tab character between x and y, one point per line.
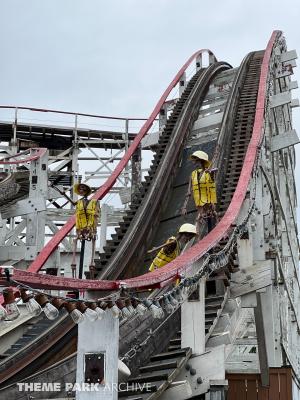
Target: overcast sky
116	57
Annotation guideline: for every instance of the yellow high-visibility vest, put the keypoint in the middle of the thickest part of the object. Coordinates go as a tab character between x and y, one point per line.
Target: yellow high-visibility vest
86	217
162	258
204	188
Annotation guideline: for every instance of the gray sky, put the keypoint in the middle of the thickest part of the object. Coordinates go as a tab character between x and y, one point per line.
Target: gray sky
116	57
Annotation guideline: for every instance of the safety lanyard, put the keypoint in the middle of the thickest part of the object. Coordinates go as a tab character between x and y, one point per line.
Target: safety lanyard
198	179
85	203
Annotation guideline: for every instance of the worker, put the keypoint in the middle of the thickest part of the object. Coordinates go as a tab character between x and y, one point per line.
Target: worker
173	246
87	216
203	185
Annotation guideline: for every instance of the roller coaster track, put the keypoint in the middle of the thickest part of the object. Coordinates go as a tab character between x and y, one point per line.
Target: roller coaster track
15	185
243	146
223	228
208	75
103	190
23	157
139	224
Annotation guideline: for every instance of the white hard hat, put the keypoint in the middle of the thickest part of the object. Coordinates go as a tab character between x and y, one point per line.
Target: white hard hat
188	228
201	155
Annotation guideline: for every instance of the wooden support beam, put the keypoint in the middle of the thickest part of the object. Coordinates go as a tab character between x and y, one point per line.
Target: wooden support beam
250	279
280	99
284	140
261	340
289	55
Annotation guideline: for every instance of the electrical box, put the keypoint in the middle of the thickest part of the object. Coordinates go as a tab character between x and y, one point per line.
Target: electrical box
94	368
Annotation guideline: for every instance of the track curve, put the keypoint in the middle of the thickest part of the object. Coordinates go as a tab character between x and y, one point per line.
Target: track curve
104	189
24	156
184	261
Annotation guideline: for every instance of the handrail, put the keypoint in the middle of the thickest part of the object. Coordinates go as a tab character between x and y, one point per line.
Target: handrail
45	110
184	261
45	253
40	152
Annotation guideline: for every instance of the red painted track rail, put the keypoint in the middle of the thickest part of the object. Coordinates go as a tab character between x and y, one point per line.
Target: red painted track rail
104	189
24	157
184	261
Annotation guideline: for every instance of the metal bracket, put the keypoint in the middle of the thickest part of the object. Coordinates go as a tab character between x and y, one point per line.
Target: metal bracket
94	371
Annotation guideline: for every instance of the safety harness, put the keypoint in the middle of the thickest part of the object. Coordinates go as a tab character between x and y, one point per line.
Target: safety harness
204	188
86	213
162	258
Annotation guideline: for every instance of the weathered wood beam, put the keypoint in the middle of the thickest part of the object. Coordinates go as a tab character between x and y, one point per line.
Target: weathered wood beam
261	341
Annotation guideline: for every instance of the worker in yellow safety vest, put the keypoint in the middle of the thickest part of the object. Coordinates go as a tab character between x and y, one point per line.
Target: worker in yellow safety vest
172	247
87	214
203	186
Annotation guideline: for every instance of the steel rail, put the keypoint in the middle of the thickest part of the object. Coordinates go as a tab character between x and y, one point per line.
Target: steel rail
145	217
22	358
45	110
49	248
172	136
171	277
40	152
184	261
50	283
174	146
